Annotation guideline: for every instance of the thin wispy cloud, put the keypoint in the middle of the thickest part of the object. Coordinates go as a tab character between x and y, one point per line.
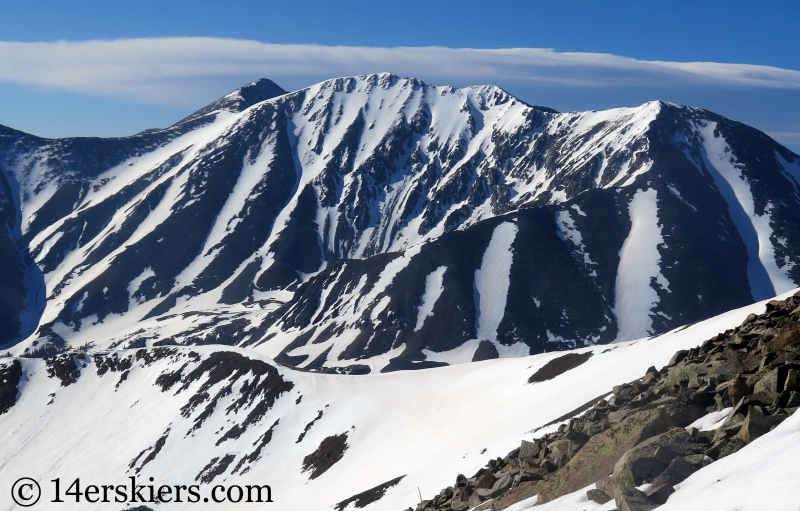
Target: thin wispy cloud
160	70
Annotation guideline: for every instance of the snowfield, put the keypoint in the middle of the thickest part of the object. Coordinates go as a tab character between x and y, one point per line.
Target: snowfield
427	425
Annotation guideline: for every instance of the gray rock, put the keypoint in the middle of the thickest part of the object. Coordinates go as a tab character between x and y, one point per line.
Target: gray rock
475	500
640	462
608	486
791	383
529	450
631	499
677	471
484	493
597	496
737	389
501	485
757	424
461	498
531	474
660	494
485	480
768	382
593	428
664	454
618	415
731	447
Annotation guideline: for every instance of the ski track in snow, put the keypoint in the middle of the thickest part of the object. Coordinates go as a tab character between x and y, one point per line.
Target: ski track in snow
766	279
492	281
639	264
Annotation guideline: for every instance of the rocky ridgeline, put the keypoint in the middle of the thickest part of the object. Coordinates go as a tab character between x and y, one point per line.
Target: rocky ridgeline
641	435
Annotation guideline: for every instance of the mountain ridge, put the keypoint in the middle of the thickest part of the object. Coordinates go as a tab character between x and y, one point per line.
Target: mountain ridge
326	187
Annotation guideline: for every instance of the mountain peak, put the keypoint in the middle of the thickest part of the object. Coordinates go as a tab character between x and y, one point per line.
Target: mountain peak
241	98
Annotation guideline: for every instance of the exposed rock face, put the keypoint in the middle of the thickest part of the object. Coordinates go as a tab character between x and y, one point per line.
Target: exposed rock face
642	434
345	226
330	451
10	374
367	497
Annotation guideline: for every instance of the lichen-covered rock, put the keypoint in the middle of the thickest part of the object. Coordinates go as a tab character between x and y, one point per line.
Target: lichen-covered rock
642	463
596	495
600	454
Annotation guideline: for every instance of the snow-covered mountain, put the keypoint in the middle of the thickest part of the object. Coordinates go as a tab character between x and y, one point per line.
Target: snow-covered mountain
375	223
219	415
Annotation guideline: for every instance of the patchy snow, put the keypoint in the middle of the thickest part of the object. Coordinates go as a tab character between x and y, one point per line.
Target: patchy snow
568	231
712	421
674	191
639	266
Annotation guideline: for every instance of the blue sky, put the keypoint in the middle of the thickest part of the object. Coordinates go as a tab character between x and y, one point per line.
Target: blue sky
109	81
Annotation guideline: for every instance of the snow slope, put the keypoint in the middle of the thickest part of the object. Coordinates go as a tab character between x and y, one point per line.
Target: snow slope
395	423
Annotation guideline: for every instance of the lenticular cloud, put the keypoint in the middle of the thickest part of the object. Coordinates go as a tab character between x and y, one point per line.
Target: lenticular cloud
159	70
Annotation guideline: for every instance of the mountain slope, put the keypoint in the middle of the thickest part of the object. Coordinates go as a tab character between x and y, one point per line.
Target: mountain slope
216	415
377	223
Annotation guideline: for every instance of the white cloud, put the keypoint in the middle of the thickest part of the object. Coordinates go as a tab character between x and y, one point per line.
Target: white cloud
179	71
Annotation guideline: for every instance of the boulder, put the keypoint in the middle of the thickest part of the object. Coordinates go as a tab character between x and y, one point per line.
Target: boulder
678	357
791	383
531	474
593	428
737	389
631	499
678	470
461	498
618	415
474	500
485	480
516	494
461	481
757	424
501	485
607	486
665	454
528	450
597	496
660	494
597	458
730	447
562	450
681	416
640	463
767	383
623	393
757	398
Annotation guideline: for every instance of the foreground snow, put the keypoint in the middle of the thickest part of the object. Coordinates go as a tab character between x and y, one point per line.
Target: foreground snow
428	425
762	476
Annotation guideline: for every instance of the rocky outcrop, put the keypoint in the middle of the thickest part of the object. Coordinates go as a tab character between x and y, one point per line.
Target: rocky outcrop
10	375
643	434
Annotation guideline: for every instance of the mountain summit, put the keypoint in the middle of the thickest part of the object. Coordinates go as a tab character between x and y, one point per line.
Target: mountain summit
375	223
241	99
